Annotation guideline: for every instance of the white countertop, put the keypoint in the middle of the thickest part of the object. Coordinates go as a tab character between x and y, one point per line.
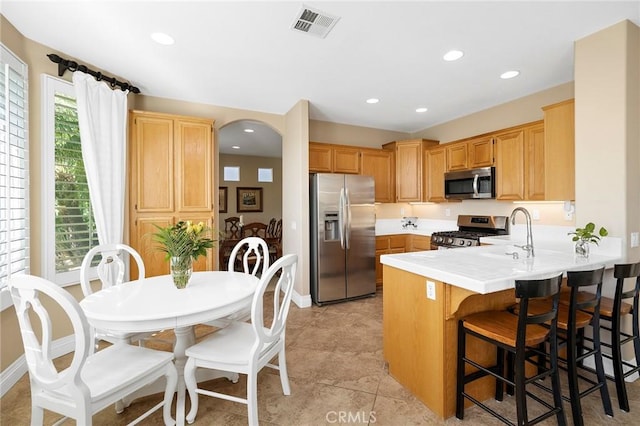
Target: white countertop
487	269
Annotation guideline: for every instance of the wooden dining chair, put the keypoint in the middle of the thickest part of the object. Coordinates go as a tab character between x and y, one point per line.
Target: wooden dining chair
232	228
254	229
275	242
246	348
271	227
92	381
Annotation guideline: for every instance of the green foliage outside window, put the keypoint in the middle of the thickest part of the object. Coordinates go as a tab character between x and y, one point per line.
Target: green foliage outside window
75	226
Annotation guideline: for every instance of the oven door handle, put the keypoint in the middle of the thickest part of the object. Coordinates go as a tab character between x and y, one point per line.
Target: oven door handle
475	184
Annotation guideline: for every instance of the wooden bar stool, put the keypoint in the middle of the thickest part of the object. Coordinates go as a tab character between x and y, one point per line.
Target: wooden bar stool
614	311
620	338
522	336
572	320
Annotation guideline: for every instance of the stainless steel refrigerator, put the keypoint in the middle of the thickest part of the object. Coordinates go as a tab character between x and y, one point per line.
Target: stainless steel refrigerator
342	237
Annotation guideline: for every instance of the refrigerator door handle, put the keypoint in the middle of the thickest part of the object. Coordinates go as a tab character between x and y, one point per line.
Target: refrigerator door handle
347	227
341	217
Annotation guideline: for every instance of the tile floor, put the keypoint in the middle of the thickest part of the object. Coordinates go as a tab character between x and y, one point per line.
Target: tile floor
336	368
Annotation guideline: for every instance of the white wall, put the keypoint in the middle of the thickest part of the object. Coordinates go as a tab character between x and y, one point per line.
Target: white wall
295	196
607	67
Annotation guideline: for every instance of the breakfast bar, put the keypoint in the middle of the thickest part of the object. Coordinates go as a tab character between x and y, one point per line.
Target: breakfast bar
426	293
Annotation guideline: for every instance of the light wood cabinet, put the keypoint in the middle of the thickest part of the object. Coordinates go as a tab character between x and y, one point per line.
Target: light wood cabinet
457	156
380	164
409	167
534	165
510	165
171	163
388	244
520	167
480	152
346	160
559	155
320	158
436	165
330	158
420	243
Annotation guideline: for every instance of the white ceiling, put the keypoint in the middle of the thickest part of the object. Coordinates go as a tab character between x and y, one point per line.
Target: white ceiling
245	55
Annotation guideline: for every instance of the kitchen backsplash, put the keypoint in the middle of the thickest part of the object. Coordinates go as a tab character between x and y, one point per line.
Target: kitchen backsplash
547	213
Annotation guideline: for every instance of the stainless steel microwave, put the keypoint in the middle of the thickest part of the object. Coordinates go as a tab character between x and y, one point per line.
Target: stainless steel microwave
470	184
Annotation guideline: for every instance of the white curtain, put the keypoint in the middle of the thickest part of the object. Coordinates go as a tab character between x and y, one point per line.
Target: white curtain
102	116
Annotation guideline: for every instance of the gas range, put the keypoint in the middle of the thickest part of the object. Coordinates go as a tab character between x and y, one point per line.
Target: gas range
470	229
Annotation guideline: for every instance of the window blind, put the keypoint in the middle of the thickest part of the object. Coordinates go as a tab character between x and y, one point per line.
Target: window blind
14	167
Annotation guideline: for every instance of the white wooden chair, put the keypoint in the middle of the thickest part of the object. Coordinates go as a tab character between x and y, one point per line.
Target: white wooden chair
111	271
246	348
92	381
253	254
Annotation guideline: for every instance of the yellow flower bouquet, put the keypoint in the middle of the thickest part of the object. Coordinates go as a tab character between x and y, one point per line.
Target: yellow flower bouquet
183	243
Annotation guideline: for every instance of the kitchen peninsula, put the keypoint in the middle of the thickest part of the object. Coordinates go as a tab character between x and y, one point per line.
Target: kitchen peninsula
426	293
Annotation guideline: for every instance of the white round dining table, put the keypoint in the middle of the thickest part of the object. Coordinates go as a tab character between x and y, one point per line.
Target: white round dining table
154	303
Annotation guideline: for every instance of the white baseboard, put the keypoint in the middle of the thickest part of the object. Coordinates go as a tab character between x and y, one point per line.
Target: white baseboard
608	367
301	301
13	373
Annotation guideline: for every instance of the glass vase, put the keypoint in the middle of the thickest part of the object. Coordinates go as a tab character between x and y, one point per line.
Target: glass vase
582	248
181	270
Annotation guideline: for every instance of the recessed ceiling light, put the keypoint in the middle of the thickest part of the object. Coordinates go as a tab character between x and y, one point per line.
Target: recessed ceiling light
509	74
249	130
453	55
235	147
162	38
373	101
421	109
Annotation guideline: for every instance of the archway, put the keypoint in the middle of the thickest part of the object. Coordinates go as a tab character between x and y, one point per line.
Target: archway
252	151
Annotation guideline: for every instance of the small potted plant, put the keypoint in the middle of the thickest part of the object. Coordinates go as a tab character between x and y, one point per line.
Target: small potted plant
183	243
583	236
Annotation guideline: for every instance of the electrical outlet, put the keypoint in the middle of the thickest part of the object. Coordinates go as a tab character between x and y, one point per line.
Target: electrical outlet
447	212
431	290
535	214
401	211
568	215
635	237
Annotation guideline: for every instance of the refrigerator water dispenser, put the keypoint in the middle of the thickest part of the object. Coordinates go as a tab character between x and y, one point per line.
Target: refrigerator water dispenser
331	227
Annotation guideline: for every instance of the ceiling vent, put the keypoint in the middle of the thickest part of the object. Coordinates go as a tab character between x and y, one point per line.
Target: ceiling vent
314	22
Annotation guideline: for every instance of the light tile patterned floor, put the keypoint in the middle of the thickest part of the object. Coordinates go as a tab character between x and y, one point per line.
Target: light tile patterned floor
337	374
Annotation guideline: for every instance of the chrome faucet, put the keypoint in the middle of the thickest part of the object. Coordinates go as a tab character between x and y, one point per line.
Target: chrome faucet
529	246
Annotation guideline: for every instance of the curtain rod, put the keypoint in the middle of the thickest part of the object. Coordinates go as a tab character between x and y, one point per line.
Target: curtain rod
65	64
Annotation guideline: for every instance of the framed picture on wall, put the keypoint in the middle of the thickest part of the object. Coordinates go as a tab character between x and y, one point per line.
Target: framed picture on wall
249	200
222	199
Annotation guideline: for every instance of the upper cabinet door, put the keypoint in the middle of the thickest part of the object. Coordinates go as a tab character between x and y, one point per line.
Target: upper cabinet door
320	158
510	165
379	163
534	164
409	171
436	162
346	160
152	163
559	155
481	152
194	171
457	158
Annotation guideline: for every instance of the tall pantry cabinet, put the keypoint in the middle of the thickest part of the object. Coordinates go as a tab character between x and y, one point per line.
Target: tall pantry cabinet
172	170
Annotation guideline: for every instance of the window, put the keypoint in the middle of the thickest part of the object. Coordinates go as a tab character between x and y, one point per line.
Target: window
68	217
14	169
232	174
265	175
